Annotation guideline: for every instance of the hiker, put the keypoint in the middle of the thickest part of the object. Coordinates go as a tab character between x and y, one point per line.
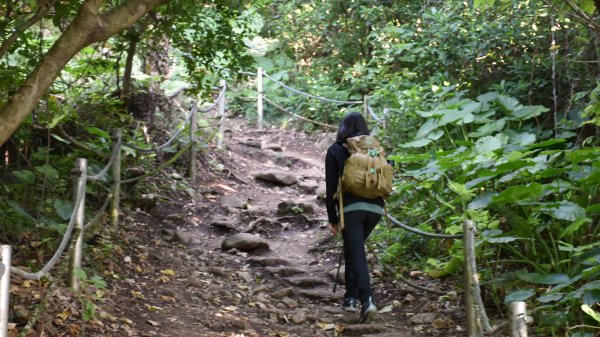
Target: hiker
360	215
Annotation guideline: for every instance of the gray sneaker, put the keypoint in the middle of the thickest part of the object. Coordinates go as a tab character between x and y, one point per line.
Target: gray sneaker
367	312
350	304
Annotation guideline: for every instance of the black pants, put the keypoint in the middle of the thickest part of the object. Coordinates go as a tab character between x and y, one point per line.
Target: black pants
358	226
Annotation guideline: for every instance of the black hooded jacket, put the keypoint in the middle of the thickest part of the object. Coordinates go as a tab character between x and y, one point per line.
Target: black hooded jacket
334	167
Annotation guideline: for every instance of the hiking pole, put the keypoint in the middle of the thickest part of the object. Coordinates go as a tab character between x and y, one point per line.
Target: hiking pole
337	275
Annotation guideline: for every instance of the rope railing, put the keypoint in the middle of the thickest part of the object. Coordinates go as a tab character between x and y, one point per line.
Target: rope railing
59	251
110	163
75	227
309	95
186	122
420	232
298	116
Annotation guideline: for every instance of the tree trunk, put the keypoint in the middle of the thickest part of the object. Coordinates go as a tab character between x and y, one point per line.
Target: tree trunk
128	69
89	26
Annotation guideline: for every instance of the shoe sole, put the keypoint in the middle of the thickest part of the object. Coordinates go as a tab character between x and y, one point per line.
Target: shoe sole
368	315
350	309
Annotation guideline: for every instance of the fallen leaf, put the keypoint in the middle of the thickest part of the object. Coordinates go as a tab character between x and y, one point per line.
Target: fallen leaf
387	308
168	299
63	315
153	308
153	323
138	295
126	320
326	326
230	308
169	272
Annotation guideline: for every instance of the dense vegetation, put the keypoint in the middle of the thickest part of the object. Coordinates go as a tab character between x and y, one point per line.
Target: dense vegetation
493	110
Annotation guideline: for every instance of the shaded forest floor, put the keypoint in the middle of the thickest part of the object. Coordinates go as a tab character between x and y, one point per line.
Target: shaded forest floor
166	272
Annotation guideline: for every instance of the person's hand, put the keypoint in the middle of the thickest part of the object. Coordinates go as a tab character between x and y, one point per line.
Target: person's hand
333	228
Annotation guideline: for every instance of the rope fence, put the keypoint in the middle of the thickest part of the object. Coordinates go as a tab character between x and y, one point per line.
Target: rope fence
477	320
75	228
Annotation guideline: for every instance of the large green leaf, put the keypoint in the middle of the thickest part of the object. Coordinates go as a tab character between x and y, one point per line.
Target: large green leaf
588	310
566	210
63	209
509	103
487	97
542	278
551	297
574	226
489	128
481	201
528	112
426	128
519	193
523	138
519	295
417	143
460	189
487	144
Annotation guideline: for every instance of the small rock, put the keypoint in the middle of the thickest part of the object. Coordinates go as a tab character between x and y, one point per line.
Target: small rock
293	207
245	276
409	298
308	186
299	317
272	147
285	292
270	261
321	191
232	201
279	178
290	303
341	277
244	242
415	273
423	318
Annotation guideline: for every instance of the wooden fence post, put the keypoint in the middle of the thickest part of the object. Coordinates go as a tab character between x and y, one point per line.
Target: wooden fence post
366	113
5	256
76	254
116	171
222	114
259	102
470	312
518	319
193	129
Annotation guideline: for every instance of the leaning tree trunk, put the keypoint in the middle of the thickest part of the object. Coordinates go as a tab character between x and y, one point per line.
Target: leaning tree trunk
89	26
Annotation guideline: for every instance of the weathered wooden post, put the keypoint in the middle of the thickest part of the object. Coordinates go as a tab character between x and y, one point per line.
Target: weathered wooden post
366	108
259	101
518	319
116	171
222	114
193	129
76	254
5	256
470	312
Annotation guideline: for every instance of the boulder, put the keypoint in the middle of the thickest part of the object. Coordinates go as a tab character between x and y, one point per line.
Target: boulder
245	242
279	178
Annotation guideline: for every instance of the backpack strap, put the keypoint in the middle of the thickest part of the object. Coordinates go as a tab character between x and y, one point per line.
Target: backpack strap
339	194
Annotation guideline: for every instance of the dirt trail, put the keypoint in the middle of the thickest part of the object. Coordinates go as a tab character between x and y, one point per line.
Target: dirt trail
176	280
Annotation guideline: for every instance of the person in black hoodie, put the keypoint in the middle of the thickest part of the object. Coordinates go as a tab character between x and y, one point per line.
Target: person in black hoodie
360	217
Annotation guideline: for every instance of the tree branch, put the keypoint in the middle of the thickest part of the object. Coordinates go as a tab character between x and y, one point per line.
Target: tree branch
43	8
86	28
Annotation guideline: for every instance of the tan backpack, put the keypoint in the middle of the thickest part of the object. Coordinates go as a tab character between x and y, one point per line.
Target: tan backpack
366	174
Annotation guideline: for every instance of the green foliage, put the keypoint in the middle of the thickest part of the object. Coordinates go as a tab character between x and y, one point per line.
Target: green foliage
534	198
